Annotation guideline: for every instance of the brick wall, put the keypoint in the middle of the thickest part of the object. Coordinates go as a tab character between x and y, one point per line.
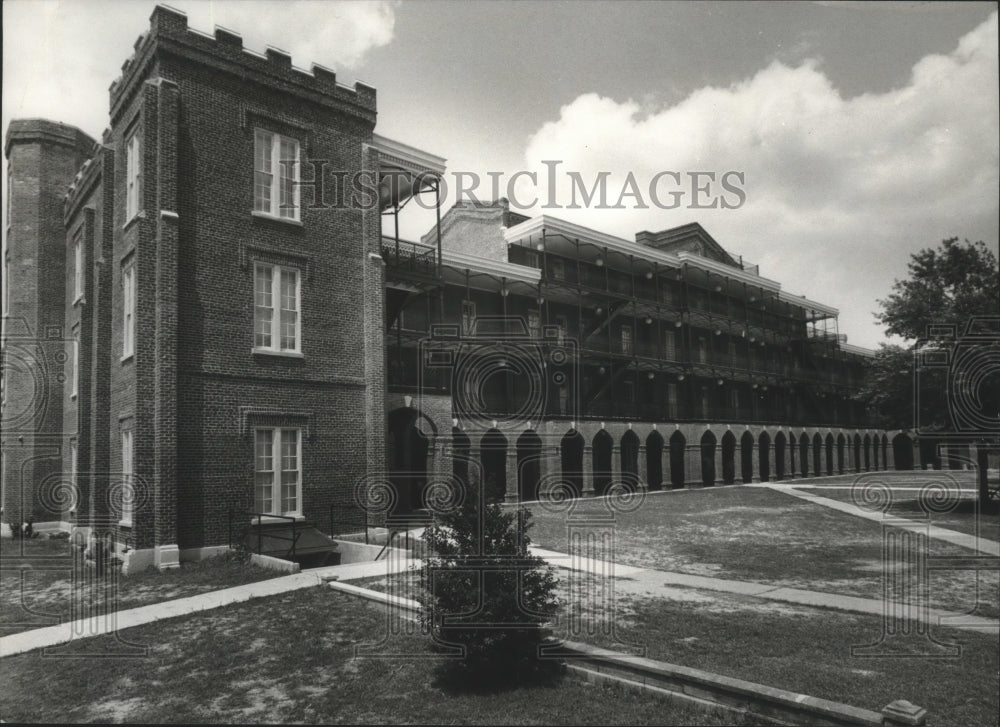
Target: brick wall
198	162
43	158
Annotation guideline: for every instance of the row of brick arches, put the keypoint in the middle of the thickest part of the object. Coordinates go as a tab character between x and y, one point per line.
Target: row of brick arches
742	458
808	456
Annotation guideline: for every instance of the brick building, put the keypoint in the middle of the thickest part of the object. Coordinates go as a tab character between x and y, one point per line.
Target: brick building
554	354
194	332
207	341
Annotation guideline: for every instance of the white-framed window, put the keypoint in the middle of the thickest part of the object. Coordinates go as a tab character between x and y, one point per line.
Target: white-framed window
671	399
278	471
75	354
562	323
275	175
627	340
77	267
6	279
534	323
128	476
669	345
277	303
468	317
133	175
128	310
73	464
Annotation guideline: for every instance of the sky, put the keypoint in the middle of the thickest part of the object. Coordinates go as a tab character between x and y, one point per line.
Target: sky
858	133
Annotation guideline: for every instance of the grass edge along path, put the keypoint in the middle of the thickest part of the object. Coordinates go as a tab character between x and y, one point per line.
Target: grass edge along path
290	658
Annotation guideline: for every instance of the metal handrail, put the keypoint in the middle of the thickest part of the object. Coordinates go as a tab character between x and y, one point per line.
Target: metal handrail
294	538
364	523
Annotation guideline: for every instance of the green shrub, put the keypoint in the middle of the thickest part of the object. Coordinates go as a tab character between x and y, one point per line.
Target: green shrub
484	592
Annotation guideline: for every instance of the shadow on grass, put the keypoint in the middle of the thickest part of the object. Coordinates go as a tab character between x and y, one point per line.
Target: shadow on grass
965	506
457	677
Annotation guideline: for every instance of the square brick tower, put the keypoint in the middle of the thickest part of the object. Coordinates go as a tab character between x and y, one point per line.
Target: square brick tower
227	324
38	350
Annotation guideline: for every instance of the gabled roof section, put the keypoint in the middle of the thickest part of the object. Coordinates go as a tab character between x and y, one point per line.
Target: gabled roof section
692	238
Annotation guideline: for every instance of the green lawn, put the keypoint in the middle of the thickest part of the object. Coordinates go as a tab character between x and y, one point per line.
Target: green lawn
792	647
290	658
809	650
964	515
37	583
761	535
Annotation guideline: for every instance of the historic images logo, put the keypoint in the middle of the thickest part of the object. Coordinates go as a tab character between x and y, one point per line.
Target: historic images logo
552	189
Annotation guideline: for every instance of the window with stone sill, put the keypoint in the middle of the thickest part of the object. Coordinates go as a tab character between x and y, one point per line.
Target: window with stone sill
276	175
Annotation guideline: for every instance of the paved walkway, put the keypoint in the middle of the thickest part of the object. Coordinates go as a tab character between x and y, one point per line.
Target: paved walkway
105	624
629	579
978	544
669	584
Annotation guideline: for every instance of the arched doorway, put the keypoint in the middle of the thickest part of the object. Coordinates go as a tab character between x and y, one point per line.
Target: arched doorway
654	460
746	457
677	447
630	459
857	452
875	447
764	456
829	454
958	455
529	455
728	458
841	443
885	452
708	459
902	452
930	456
792	444
493	456
817	448
571	456
867	444
602	446
804	454
779	456
461	446
407	448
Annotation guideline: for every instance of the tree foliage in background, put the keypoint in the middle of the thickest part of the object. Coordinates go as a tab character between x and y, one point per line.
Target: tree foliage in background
888	389
947	284
481	567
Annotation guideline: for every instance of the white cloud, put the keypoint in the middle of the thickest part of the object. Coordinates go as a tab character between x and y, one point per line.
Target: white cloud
333	34
839	190
59	56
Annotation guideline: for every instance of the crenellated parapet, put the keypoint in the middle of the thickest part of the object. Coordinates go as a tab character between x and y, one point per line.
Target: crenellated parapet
223	52
43	131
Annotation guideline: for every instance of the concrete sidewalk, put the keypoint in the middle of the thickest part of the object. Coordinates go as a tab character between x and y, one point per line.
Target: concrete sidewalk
628	579
120	620
668	584
978	544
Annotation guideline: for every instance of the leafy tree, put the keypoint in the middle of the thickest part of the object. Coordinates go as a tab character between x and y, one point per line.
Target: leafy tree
887	393
485	592
948	284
